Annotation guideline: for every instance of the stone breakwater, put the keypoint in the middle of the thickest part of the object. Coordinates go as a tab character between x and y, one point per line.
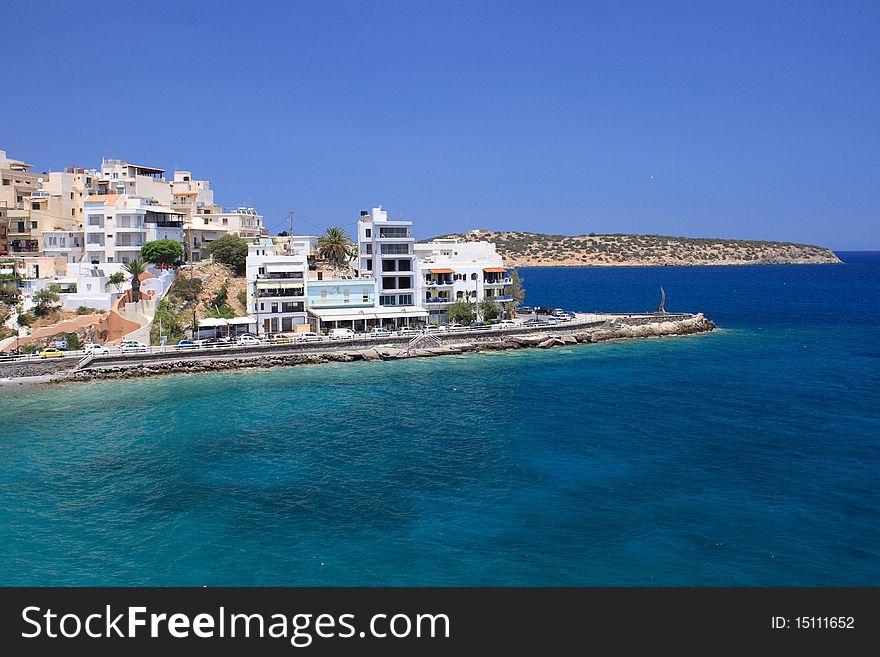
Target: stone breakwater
451	345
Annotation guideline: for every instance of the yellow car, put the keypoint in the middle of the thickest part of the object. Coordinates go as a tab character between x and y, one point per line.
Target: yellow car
51	352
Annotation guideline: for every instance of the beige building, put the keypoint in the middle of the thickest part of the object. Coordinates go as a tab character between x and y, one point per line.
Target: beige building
206	221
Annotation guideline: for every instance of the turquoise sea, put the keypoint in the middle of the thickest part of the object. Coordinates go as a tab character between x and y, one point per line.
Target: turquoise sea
749	456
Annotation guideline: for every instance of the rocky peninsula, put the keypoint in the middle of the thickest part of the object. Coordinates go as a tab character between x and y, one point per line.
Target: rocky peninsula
521	249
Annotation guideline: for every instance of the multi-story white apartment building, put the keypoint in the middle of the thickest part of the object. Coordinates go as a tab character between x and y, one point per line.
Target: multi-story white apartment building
117	226
276	286
452	270
386	252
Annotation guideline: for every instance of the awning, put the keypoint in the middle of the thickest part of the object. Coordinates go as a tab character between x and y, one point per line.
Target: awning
208	322
441	271
281	285
494	270
348	314
235	321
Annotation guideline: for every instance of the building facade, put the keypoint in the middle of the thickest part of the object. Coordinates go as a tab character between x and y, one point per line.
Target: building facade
276	287
117	226
450	271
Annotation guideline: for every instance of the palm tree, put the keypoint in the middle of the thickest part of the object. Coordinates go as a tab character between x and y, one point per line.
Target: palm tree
135	267
336	248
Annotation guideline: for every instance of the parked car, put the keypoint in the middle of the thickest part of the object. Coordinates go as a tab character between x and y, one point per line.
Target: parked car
559	312
534	322
433	329
543	310
408	330
278	338
379	332
186	344
94	349
216	343
524	310
247	340
341	334
508	323
455	327
131	346
551	320
480	326
51	352
7	355
308	336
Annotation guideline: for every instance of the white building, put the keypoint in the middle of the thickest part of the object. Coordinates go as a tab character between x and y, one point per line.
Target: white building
276	287
386	252
117	226
450	270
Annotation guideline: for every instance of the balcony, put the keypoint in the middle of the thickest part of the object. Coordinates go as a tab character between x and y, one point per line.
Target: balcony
503	298
281	293
94	246
496	282
24	246
437	300
441	283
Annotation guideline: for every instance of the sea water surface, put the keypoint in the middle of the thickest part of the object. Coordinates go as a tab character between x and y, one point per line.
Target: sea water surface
748	456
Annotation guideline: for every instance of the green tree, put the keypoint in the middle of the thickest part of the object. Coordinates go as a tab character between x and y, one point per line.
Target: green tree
187	289
85	310
170	322
515	290
135	267
163	253
488	310
73	343
9	293
242	298
335	248
116	280
24	319
461	312
46	299
221	297
230	250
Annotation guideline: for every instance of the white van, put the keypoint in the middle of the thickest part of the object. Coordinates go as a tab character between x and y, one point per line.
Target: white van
341	334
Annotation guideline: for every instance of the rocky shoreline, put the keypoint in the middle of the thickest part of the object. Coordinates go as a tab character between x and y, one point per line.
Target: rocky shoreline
467	344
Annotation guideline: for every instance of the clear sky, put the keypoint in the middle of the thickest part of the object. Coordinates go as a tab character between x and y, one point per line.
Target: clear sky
733	119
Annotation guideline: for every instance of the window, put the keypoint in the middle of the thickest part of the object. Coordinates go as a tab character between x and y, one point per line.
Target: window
394	231
7	182
72	212
71	196
389	283
405	299
368	249
389	300
367	232
404	265
473	277
262	306
35	206
225	221
404	282
261	271
323	296
369	265
274	306
346	295
395	249
389	265
366	295
33	224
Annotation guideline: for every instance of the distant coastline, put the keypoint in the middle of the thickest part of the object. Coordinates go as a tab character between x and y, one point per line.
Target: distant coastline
522	249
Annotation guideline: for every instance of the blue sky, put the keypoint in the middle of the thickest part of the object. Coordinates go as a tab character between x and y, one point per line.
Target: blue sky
734	119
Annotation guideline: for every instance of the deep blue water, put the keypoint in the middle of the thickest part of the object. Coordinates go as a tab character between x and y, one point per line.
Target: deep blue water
748	456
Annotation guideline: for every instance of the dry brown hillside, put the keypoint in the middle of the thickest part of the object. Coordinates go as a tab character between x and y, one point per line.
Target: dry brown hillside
539	250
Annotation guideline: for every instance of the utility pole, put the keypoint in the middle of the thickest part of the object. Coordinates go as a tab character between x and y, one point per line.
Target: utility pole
290	224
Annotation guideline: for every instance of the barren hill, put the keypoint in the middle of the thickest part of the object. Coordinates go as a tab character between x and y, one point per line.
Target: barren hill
541	250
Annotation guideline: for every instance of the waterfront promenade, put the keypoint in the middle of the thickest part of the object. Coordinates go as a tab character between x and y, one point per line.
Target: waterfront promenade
584	328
